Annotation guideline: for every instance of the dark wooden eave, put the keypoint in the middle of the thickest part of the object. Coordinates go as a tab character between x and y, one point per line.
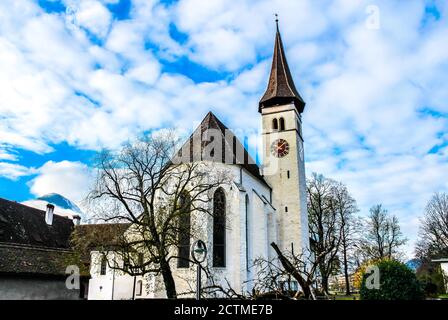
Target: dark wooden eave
281	88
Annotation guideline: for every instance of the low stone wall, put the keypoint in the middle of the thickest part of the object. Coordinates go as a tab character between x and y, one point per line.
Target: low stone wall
29	288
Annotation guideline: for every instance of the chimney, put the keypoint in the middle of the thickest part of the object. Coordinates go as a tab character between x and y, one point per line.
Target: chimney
76	220
49	214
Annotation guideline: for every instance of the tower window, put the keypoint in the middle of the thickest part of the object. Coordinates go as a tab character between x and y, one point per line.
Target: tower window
219	228
286	209
287	173
275	124
282	124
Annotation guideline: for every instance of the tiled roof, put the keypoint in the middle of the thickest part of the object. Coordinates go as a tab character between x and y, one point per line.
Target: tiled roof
28	245
101	235
20	224
22	259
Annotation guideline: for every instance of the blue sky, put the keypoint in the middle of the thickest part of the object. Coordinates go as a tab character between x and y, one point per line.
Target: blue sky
76	76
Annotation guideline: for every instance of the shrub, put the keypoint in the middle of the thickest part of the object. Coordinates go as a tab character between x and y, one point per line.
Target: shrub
431	279
397	282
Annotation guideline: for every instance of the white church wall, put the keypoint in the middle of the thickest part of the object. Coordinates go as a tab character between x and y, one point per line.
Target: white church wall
444	266
261	231
235	271
114	285
244	248
258	229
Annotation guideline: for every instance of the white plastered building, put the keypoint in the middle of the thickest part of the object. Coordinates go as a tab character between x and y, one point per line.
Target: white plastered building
261	205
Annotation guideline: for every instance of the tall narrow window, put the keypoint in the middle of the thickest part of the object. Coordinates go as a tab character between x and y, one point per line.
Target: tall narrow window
282	124
275	124
219	228
247	232
103	266
139	288
184	231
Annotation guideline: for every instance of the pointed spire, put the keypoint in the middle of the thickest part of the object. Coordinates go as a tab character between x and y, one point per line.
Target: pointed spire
281	88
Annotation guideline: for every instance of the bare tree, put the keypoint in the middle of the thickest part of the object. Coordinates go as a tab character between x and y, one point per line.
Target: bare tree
324	225
272	279
433	233
383	237
302	267
346	207
160	198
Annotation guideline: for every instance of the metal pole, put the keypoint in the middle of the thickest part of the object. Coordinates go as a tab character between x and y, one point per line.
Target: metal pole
198	282
133	291
198	248
113	284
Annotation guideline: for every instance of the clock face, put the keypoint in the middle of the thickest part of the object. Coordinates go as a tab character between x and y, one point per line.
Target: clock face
280	148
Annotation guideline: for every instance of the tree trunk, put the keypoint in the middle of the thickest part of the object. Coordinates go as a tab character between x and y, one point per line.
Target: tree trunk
168	280
344	253
289	267
307	292
347	282
325	284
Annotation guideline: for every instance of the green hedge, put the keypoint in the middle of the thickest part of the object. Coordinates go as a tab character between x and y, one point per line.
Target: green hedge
397	282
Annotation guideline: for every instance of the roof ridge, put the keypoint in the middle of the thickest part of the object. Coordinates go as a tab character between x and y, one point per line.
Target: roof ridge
33	208
32	247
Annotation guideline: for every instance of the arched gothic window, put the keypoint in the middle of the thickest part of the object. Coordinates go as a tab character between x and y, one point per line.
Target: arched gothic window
275	124
219	228
184	231
282	124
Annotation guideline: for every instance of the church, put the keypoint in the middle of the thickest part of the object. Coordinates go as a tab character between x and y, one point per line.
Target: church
261	205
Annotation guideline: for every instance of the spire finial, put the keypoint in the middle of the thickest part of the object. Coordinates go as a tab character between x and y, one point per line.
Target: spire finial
276	19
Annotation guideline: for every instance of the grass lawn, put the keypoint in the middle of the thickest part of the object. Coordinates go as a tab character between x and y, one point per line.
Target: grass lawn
443	296
344	297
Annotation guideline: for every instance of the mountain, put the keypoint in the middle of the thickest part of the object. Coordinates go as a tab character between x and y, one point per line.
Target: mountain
63	206
413	264
60	201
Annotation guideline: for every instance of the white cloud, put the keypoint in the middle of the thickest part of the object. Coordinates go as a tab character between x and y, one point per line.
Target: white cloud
94	16
364	88
7	156
70	179
14	171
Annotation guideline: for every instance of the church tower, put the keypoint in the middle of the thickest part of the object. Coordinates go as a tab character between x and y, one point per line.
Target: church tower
283	158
